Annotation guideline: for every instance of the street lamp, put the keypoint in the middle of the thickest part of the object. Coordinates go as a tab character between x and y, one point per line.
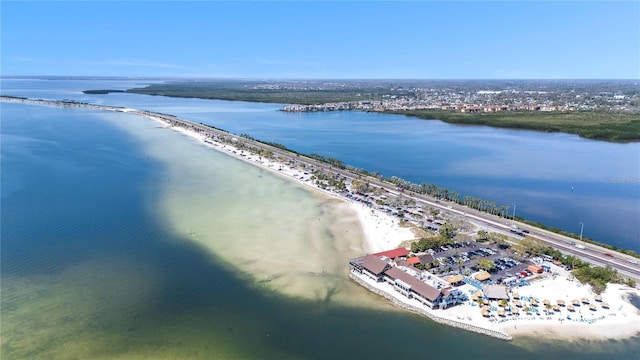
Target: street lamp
581	228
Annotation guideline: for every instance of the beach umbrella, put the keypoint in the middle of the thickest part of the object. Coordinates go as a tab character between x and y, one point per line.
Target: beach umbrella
500	312
516	296
556	308
585	300
571	308
515	311
605	305
593	307
598	298
534	303
575	302
560	302
485	313
517	303
546	302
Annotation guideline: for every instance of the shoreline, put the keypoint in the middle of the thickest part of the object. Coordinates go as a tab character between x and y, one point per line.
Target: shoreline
559	239
620	320
382	232
396	300
516	118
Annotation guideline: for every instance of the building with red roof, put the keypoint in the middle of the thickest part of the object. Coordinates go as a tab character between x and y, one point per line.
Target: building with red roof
392	254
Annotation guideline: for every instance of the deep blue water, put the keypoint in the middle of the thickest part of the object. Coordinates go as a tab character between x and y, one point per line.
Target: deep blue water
557	179
89	270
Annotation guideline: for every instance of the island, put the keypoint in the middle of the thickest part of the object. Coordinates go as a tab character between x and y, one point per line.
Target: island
607	110
424	258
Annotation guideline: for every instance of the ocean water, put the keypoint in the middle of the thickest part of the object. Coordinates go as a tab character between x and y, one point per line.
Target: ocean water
557	179
122	240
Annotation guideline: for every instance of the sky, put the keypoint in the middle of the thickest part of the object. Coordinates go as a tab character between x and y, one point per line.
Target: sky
305	39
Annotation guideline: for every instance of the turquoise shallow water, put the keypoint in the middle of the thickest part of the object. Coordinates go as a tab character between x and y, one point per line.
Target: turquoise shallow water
116	243
557	179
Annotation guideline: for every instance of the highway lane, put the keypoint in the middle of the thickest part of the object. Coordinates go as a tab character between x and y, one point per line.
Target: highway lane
591	253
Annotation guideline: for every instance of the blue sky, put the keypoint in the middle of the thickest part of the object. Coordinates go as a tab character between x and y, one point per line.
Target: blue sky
428	40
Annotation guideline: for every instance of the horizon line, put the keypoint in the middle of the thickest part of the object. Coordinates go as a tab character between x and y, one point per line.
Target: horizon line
247	78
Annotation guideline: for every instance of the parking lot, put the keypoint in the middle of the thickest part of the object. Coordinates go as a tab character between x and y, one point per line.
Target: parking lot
470	254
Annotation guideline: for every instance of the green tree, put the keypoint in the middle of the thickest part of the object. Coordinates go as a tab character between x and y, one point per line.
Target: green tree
596	276
531	246
571	261
483	236
447	231
359	186
486	264
500	240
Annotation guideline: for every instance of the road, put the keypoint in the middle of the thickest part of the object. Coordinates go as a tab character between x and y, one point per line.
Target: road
591	253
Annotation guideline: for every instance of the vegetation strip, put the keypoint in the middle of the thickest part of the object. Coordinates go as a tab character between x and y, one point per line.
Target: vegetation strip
613	126
439	193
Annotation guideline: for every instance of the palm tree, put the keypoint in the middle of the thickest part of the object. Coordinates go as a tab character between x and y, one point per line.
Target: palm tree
442	192
493	208
467	200
487	205
476	203
454	196
459	261
501	210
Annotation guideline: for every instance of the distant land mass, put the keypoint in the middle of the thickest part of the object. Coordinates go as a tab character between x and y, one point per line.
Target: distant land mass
101	92
607	110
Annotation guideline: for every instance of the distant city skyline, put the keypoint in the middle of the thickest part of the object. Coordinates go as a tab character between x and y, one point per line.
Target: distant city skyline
337	40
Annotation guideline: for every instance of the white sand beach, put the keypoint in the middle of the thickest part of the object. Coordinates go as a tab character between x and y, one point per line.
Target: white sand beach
292	275
383	232
620	319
